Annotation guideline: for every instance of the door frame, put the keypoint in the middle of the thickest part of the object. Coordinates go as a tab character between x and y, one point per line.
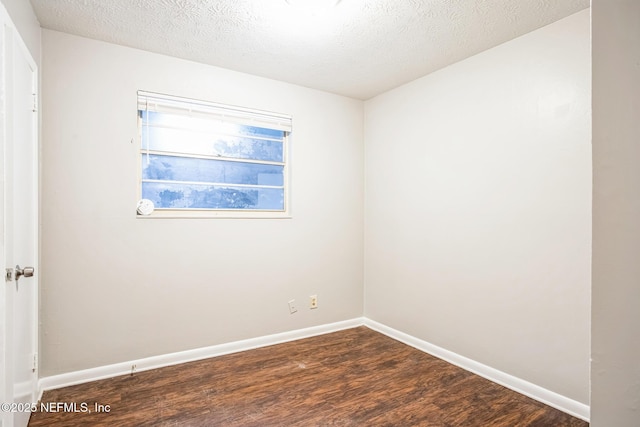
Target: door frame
11	43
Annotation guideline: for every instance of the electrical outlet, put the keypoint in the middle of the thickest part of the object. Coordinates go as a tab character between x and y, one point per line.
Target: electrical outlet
292	306
313	301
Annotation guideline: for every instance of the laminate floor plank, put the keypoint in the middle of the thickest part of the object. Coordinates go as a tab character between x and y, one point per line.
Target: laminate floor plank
355	377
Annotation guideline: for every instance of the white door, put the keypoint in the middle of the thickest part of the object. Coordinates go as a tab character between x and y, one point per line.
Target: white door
19	239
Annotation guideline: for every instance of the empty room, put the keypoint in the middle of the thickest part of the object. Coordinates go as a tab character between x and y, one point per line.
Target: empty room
309	213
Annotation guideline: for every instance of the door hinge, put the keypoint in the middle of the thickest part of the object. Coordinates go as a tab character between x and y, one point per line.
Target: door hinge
35	362
35	102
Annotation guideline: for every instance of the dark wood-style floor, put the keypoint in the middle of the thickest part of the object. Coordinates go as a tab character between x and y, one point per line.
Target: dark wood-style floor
355	377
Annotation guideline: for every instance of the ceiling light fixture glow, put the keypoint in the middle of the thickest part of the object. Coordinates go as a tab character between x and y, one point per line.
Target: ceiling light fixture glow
313	5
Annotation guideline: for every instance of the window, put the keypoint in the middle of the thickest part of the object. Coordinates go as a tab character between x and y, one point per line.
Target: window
204	159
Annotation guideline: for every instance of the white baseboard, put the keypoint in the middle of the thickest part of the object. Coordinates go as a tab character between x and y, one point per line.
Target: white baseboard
124	368
521	386
555	400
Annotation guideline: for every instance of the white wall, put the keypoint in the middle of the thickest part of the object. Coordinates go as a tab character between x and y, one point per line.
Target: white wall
478	207
116	288
615	372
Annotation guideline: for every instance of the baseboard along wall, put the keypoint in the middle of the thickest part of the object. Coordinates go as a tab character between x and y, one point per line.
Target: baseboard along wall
526	388
555	400
161	361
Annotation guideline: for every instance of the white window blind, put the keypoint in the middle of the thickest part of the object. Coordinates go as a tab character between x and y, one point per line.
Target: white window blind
201	158
155	102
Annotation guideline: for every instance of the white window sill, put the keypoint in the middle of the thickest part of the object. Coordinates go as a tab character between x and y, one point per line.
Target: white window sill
195	214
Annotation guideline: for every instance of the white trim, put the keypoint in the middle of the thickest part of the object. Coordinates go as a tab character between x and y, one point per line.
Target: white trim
521	386
187	214
154	362
555	400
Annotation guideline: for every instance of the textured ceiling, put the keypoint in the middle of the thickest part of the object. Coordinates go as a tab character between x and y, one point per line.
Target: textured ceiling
359	48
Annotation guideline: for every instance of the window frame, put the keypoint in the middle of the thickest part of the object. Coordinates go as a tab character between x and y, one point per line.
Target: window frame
229	114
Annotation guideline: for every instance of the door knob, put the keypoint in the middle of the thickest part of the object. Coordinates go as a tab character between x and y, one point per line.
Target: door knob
26	272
